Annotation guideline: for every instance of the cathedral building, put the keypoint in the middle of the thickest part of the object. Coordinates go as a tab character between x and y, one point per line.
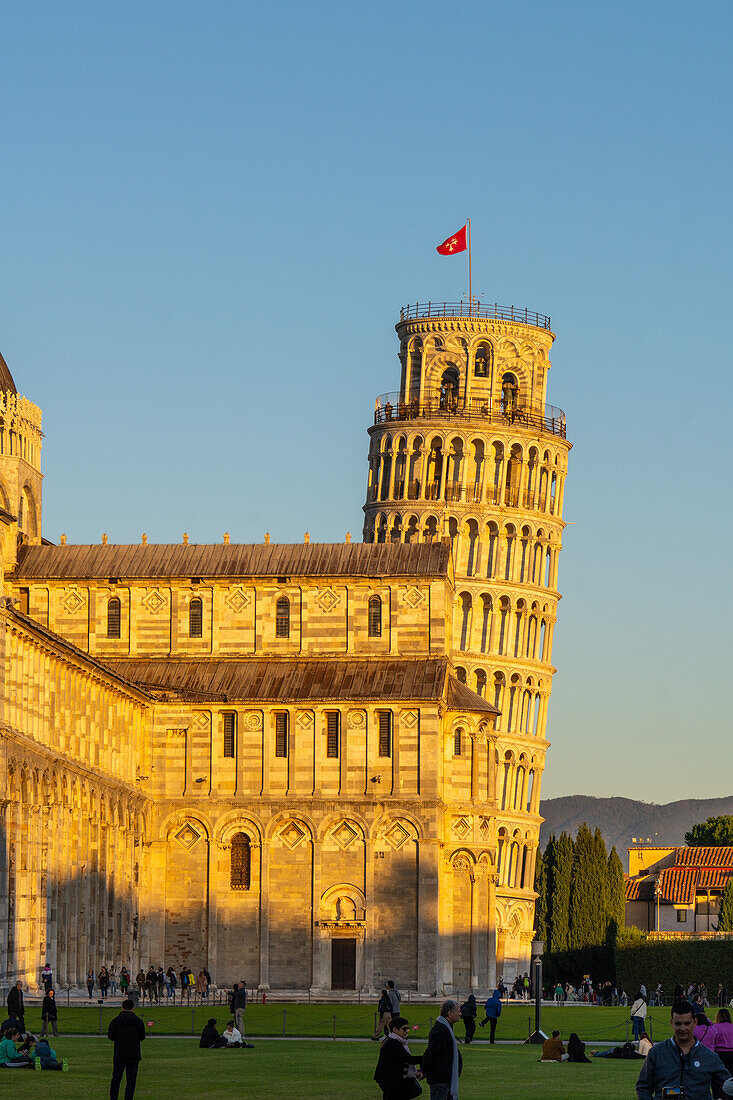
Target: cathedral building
309	766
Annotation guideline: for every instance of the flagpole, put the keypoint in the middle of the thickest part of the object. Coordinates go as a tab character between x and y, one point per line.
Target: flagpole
470	286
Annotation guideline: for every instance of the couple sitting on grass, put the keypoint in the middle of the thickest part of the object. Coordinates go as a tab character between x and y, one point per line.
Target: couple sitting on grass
19	1051
554	1051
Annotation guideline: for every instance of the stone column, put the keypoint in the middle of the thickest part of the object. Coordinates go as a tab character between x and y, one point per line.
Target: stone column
475	926
264	985
429	975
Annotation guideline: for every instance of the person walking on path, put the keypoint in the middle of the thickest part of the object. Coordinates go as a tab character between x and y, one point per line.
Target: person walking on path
90	983
49	1014
384	1008
442	1062
15	1004
468	1015
638	1014
395	998
681	1066
103	978
492	1012
239	1003
127	1032
395	1073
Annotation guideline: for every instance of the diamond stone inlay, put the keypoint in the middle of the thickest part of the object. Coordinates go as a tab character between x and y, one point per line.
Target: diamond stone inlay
73	602
344	835
397	835
154	601
328	599
292	834
238	600
413	597
187	836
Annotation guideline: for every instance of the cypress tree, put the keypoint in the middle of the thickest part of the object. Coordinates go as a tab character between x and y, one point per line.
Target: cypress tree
616	890
558	888
587	890
616	900
600	872
540	885
725	915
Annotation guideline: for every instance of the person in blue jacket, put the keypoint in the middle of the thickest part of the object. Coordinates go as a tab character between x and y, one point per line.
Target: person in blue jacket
492	1010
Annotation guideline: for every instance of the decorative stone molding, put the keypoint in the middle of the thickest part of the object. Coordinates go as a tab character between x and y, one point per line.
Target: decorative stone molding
154	602
327	600
252	721
73	602
238	600
304	719
356	719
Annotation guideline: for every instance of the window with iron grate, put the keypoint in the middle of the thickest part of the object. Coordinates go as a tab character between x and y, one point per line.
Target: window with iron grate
114	615
333	729
281	734
375	617
241	862
458	742
230	733
385	732
282	618
196	618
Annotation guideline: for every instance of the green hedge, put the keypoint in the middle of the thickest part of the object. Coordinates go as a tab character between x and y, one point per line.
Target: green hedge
671	961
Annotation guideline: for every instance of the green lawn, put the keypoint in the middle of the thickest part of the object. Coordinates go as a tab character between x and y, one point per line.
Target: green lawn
320	1070
353	1020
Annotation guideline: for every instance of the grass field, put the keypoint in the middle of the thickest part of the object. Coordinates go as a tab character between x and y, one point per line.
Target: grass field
317	1070
352	1020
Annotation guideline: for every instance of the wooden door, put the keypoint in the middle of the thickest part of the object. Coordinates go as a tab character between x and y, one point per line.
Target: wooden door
343	964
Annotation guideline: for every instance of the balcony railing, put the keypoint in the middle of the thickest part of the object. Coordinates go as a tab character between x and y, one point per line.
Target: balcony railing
389	407
494	312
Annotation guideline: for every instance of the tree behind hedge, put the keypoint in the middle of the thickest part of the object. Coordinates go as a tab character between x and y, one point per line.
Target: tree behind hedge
716	832
616	889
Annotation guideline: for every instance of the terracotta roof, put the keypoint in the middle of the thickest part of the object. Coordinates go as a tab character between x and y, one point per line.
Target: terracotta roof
289	680
6	378
703	857
640	889
234	560
678	884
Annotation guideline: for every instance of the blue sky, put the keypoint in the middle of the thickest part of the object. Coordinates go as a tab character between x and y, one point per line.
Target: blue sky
213	212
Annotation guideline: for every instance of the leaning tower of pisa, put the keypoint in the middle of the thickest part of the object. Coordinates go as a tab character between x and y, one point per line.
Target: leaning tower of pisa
468	449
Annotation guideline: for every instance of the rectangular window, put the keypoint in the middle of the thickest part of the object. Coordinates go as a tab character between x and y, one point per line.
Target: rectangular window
332	733
281	734
25	599
682	916
457	746
230	731
385	732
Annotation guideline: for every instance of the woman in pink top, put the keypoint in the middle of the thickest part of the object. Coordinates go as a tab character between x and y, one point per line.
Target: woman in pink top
723	1038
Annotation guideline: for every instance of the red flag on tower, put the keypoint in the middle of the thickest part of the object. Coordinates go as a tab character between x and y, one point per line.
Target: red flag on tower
453	244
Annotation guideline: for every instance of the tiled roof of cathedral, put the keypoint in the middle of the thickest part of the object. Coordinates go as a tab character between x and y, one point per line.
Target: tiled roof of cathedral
288	680
6	378
235	560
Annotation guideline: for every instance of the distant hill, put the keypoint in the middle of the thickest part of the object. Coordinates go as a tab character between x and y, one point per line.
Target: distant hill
621	819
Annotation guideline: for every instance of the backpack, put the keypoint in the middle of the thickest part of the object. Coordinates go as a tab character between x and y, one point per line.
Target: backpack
465	1011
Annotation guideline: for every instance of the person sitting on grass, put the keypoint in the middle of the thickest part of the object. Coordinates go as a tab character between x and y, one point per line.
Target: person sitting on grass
10	1057
395	1073
210	1037
232	1036
45	1057
576	1049
624	1051
553	1050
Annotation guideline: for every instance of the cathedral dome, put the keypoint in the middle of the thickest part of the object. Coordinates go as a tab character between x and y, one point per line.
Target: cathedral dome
6	378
